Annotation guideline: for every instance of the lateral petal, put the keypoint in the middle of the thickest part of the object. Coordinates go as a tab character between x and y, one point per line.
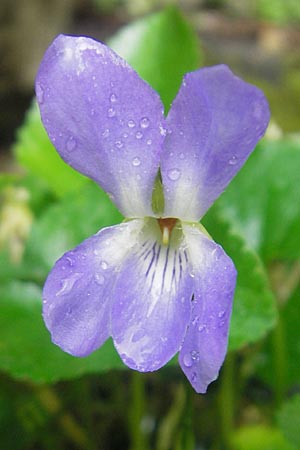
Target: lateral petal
77	295
103	119
205	344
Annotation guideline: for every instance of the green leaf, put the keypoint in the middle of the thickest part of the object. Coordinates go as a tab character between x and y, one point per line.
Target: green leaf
35	152
161	47
66	224
289	420
278	363
26	349
263	199
254	311
258	437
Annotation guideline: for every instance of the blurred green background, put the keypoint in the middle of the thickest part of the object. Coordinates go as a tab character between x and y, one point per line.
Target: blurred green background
50	400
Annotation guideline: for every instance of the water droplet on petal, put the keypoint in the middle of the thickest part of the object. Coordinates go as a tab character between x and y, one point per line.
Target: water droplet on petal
105	133
125	135
136	161
174	174
201	328
103	265
68	283
221	314
39	93
119	144
162	130
99	278
233	160
111	112
145	122
181	155
113	98
131	123
149	142
187	360
195	355
71	144
139	135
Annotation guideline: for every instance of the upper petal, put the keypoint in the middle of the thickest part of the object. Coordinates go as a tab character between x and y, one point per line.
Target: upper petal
153	301
103	119
77	294
213	125
205	343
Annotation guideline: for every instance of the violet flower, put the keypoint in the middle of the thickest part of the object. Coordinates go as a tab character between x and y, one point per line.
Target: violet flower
157	283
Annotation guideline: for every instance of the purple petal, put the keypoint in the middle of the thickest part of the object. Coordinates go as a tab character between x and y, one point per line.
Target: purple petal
205	343
153	301
77	293
214	123
103	119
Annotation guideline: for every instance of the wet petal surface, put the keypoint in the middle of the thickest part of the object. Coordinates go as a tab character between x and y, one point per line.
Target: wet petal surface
153	302
103	119
205	343
213	125
77	295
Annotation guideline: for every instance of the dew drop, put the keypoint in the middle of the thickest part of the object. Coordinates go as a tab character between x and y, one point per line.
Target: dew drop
187	360
174	174
68	283
221	314
149	142
103	265
131	123
71	144
136	161
181	156
113	98
39	93
119	144
195	355
139	135
125	135
105	133
99	278
162	130
111	112
201	328
233	160
145	122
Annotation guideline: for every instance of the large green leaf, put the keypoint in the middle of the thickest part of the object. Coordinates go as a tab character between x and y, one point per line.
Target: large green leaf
254	311
259	437
26	350
161	47
35	152
66	224
263	199
278	364
289	420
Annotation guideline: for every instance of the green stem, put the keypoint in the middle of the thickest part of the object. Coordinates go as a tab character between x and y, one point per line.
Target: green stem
279	355
227	401
138	438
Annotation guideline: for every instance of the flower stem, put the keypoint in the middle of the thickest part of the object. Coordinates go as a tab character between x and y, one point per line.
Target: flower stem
227	401
138	437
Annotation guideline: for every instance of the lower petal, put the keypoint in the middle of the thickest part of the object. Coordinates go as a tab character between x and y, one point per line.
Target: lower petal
153	301
205	343
77	293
